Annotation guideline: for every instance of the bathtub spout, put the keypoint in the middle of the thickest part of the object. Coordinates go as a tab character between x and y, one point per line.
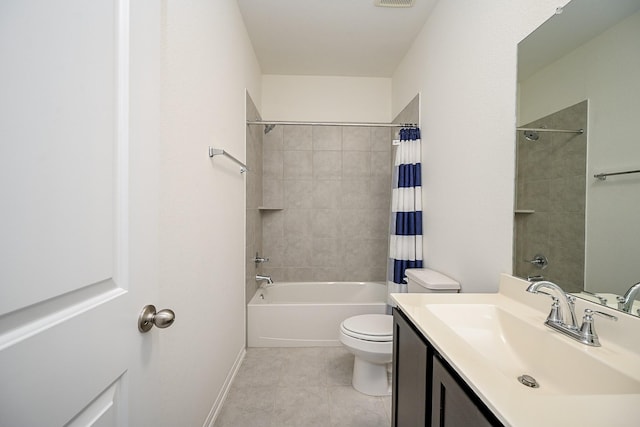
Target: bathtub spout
267	279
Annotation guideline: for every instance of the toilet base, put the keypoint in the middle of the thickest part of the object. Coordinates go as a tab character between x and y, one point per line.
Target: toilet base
370	378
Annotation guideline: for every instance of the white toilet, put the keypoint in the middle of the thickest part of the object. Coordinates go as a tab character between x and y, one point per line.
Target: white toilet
370	336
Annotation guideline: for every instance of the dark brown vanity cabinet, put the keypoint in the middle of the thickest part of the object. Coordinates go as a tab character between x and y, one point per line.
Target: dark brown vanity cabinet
411	399
426	391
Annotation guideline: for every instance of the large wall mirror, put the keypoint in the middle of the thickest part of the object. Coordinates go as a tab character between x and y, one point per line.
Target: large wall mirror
579	116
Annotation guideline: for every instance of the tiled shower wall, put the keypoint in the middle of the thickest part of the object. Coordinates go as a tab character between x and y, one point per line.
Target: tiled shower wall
326	197
551	179
253	184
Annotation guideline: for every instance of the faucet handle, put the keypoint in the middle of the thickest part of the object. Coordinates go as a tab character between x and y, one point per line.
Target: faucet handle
258	259
589	312
588	333
555	315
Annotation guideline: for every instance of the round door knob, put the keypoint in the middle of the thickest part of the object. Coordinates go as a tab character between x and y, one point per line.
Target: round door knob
149	317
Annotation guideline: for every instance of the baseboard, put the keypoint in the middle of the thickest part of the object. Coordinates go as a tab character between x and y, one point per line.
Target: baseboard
217	405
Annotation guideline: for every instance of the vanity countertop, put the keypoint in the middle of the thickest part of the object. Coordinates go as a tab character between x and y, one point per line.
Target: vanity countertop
491	363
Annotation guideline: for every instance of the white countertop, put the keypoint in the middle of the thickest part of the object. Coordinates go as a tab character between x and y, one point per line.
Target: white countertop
514	404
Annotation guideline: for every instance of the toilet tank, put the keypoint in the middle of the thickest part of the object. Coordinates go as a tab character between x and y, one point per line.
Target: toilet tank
423	280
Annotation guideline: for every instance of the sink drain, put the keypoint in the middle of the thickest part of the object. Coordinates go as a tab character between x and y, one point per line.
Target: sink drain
528	380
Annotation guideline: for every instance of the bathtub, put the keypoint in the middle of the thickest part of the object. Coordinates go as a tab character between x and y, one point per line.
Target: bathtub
308	314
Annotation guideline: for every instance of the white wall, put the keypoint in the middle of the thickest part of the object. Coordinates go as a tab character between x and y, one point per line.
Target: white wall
605	71
207	63
326	98
464	64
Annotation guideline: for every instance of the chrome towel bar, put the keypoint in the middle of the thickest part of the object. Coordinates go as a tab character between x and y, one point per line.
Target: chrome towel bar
603	176
219	151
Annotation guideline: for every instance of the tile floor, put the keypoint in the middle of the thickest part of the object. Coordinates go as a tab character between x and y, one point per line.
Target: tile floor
302	387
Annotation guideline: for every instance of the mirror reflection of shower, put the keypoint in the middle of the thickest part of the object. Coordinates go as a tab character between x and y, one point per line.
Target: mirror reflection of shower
550	196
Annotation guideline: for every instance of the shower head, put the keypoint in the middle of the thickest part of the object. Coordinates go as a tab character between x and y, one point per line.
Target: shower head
268	128
531	135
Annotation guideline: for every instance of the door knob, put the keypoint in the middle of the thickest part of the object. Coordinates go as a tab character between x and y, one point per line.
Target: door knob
149	317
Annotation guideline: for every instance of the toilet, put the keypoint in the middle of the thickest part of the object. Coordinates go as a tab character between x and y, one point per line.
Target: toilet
370	336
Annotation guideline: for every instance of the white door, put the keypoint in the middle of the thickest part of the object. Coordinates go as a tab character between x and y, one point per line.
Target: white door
78	194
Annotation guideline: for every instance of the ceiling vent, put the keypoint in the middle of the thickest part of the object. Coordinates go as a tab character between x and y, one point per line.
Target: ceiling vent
393	3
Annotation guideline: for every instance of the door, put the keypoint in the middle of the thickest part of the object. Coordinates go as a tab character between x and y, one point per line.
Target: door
78	187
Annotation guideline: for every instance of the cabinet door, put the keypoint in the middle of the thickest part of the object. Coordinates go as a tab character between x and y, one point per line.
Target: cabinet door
451	405
411	386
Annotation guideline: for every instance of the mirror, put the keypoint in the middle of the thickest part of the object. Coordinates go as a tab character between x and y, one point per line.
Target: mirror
580	70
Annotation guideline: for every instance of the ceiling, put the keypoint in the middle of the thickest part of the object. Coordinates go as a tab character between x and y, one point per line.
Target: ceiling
331	37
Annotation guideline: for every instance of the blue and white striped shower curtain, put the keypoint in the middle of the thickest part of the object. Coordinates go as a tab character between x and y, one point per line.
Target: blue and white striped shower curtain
405	240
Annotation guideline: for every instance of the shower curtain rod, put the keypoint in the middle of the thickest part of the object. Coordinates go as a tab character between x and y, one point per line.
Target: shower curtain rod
387	125
552	130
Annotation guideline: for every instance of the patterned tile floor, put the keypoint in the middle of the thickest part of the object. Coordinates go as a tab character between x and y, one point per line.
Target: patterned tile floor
302	387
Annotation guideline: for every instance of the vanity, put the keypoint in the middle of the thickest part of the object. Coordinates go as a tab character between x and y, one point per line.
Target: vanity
427	391
489	360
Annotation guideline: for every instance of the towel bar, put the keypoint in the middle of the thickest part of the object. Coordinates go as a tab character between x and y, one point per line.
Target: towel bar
219	151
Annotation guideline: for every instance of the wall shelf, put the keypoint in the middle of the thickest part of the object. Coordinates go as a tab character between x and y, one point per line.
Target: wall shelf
269	208
524	211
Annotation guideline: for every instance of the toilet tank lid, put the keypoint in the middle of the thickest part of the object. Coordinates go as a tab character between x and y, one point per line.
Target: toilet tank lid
431	279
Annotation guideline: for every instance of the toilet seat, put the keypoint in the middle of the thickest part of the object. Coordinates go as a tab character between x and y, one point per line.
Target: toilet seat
369	327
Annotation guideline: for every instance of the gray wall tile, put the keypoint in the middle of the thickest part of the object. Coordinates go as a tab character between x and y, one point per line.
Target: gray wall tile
325	252
298	194
325	223
327	164
353	223
326	194
380	163
297	137
327	138
356	193
294	274
297	223
273	164
272	192
357	139
297	251
381	139
356	163
298	164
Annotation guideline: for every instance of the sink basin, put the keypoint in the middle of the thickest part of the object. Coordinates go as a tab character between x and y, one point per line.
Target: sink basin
515	347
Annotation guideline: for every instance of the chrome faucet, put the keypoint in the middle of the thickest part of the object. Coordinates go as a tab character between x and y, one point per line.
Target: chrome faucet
564	321
565	314
626	302
267	279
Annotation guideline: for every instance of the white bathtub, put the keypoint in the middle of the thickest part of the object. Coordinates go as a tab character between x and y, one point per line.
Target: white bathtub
308	314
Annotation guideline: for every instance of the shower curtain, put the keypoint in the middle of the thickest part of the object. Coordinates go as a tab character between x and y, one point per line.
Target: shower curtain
405	240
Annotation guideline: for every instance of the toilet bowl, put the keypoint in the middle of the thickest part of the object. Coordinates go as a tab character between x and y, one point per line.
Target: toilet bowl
370	338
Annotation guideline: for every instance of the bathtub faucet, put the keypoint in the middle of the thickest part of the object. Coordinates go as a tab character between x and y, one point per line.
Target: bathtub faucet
267	279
